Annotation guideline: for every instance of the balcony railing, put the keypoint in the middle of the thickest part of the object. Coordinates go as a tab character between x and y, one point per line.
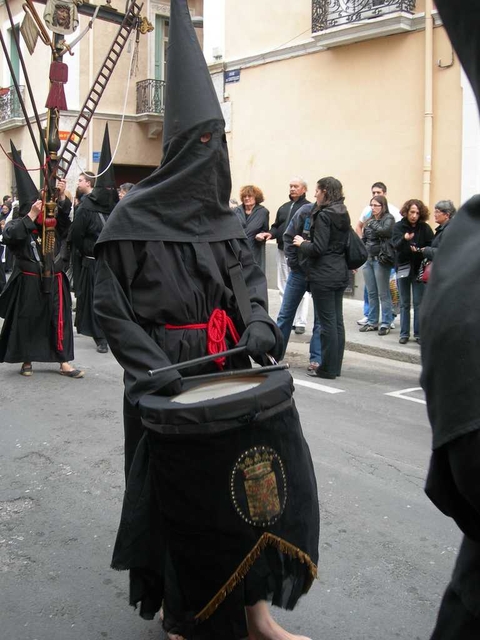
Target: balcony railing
10	104
334	13
151	97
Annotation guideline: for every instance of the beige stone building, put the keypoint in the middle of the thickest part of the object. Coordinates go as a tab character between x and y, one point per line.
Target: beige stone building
132	102
364	90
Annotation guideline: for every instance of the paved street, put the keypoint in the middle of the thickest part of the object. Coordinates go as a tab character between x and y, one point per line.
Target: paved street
385	552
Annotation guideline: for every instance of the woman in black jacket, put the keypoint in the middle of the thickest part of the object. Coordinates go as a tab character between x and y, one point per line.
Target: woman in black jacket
443	213
377	234
326	270
410	236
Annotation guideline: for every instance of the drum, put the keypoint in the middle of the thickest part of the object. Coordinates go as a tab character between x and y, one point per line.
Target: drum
235	490
218	405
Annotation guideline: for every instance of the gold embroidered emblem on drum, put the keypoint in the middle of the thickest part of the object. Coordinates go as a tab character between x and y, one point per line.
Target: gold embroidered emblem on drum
256	476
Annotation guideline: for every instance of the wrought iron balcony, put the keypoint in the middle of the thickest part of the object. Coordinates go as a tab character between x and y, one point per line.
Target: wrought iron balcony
334	13
10	104
151	97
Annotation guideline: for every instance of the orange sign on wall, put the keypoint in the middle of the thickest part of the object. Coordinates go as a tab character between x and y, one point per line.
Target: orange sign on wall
65	135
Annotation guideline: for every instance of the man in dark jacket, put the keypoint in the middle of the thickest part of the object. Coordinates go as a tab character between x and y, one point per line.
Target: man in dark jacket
451	368
296	286
297	198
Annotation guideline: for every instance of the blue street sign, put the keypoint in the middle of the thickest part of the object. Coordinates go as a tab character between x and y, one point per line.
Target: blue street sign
232	76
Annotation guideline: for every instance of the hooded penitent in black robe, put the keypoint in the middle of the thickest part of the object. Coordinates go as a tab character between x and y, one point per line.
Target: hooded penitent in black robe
89	220
164	265
450	318
37	325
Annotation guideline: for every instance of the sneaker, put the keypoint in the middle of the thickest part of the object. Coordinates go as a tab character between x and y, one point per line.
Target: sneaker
403	340
393	326
363	320
299	330
383	331
368	327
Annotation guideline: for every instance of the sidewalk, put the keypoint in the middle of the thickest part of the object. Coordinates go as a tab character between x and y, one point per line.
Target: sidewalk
370	343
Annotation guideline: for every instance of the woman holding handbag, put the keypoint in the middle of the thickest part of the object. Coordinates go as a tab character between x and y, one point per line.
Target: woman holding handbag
410	236
377	234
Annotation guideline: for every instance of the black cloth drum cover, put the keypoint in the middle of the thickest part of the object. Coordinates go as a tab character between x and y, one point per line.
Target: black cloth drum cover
234	495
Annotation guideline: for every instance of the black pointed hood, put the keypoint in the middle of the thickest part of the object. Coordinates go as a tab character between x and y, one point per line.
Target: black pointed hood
190	98
461	20
27	191
187	198
104	195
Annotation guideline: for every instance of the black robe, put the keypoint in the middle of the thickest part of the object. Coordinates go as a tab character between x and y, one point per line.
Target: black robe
86	227
37	326
140	288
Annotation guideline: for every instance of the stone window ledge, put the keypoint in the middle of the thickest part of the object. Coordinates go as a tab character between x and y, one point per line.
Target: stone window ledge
381	26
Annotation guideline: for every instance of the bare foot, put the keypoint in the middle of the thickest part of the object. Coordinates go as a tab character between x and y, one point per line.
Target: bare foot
261	625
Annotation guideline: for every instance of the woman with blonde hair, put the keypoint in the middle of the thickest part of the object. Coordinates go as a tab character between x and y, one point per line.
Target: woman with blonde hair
254	219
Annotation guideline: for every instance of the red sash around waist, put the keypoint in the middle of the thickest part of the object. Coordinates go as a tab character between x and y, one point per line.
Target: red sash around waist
216	327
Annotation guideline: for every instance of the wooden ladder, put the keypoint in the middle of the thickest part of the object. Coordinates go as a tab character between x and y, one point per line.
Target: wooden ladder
86	114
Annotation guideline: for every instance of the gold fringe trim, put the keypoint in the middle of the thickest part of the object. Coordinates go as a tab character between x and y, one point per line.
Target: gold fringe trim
244	567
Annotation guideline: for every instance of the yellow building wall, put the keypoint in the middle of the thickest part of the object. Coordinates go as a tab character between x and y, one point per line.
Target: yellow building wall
262	26
355	112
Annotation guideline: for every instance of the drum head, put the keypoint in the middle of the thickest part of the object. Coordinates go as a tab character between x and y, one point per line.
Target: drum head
218	405
218	389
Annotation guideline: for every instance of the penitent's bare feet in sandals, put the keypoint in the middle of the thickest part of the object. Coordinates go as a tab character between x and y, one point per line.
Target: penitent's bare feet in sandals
261	625
170	636
67	370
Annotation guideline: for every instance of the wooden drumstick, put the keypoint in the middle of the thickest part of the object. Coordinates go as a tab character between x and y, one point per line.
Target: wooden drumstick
202	360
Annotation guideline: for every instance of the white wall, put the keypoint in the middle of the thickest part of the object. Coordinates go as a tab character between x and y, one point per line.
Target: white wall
470	143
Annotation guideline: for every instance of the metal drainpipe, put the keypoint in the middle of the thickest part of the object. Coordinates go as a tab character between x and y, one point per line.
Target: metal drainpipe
90	83
428	117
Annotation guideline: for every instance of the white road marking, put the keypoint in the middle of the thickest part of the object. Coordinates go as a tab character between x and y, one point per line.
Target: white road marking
401	394
318	387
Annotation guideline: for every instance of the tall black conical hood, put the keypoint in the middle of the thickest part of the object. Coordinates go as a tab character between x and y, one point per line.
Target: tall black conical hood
105	178
450	309
187	198
104	195
190	97
461	21
27	191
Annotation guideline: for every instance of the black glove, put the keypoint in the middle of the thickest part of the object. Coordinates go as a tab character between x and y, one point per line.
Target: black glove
259	339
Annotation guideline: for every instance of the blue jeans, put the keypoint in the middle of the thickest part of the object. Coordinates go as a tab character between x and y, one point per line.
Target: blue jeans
377	281
366	308
409	288
294	291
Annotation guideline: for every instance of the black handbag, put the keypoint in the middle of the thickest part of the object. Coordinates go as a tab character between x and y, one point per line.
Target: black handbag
386	257
403	270
355	251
